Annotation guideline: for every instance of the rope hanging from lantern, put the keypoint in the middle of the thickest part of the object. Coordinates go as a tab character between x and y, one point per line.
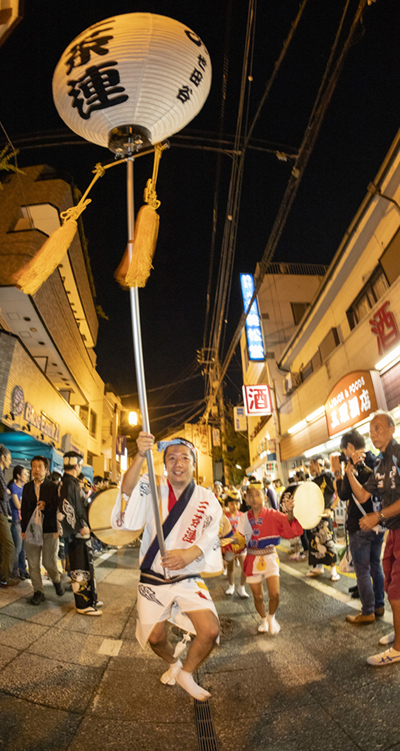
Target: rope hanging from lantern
136	263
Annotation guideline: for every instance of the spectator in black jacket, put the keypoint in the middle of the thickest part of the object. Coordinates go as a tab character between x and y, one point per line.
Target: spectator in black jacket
7	548
75	530
365	544
41	493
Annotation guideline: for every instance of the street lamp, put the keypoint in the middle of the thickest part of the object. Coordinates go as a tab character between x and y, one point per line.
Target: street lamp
133	418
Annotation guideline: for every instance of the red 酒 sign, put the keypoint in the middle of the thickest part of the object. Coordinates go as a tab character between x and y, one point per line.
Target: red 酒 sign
257	400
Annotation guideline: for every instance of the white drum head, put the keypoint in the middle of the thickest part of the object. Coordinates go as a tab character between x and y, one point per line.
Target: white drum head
309	504
99	520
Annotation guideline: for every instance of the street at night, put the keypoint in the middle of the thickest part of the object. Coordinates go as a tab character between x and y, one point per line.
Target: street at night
70	683
200	375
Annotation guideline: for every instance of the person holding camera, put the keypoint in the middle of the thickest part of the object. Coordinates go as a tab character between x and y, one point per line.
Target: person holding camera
365	544
385	482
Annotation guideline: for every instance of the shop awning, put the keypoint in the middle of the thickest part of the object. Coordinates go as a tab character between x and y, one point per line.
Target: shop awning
24	447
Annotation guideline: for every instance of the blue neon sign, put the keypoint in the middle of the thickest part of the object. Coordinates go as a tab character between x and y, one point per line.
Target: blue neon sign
255	342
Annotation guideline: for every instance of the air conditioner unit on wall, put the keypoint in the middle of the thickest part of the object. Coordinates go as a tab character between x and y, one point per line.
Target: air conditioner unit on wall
290	383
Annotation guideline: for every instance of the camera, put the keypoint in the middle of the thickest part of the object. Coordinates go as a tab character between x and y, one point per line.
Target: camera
343	457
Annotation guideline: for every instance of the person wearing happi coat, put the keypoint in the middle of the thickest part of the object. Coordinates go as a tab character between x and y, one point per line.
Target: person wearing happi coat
74	528
171	587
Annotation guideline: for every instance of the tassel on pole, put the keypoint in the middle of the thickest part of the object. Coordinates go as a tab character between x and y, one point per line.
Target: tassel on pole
134	269
50	255
41	266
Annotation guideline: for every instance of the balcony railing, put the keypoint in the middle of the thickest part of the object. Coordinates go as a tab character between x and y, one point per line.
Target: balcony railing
300	269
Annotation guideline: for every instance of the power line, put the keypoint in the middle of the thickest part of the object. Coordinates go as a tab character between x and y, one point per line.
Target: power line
167	385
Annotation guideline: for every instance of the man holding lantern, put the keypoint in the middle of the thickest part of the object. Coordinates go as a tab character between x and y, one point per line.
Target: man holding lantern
171	587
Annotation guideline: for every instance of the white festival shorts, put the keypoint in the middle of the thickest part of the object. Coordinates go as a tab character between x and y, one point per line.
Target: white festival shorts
170	602
264	566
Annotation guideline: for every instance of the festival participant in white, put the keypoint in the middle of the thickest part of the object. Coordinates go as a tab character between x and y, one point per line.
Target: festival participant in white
171	587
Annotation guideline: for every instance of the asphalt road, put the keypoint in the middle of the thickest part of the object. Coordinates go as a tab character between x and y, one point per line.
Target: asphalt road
71	683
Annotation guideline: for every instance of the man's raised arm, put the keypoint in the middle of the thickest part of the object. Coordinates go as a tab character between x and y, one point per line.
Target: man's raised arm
131	477
360	493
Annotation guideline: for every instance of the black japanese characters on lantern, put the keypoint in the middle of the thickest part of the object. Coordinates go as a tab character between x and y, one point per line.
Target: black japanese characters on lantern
97	88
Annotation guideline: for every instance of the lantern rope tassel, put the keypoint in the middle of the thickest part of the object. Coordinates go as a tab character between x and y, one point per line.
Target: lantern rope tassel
50	255
136	264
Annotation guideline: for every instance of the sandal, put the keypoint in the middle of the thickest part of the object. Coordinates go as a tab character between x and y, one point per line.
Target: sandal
89	611
335	578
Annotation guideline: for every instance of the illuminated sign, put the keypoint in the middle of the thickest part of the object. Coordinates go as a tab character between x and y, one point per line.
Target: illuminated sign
42	422
255	341
257	400
350	401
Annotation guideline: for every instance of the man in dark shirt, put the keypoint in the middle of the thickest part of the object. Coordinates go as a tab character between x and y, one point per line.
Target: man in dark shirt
385	482
41	493
75	530
7	549
365	544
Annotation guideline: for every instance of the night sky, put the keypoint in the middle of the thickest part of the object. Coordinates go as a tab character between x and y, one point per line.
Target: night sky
360	124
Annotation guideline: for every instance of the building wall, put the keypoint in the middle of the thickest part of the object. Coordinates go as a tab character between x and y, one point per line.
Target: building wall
39	392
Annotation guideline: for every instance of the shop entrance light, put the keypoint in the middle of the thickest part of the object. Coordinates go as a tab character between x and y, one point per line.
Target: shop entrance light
299	426
314	415
391	359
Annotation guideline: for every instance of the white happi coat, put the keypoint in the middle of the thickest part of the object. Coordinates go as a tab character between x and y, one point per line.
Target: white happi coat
197	525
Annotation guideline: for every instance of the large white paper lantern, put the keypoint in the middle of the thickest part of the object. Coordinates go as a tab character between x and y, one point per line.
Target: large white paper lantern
137	73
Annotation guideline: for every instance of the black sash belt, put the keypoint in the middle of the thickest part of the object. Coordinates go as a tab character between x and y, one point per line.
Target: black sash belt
147	576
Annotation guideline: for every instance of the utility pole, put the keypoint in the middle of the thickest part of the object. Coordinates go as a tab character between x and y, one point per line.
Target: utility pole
209	358
221	408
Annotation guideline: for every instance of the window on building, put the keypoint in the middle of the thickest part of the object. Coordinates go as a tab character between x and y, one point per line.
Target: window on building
328	344
93	423
372	291
41	216
84	414
298	310
390	259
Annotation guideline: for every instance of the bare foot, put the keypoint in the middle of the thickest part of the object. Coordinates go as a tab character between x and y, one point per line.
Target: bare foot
186	681
169	677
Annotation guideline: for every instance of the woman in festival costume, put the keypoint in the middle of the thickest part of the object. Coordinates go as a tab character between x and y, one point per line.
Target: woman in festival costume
261	529
234	552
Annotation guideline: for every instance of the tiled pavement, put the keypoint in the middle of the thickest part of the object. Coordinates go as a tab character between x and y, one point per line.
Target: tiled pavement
70	682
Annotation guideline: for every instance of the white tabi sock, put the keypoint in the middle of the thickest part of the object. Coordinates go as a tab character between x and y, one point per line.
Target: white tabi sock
186	681
169	677
274	627
263	627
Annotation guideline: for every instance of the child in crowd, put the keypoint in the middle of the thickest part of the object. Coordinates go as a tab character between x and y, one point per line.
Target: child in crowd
261	528
234	552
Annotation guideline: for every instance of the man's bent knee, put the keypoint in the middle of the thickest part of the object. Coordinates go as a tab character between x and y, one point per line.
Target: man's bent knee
158	635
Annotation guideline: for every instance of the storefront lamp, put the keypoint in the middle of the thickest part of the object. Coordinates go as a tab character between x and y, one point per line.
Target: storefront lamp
391	359
133	418
299	426
314	415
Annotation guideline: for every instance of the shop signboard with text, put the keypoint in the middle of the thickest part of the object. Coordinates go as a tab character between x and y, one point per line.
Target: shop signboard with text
352	399
257	399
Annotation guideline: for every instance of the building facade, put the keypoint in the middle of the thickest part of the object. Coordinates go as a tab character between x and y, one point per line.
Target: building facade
343	359
283	300
51	395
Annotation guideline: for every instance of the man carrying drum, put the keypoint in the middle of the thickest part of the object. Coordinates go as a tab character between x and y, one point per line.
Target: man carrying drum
171	587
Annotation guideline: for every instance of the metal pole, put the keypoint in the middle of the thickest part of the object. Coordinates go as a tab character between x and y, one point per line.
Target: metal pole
139	366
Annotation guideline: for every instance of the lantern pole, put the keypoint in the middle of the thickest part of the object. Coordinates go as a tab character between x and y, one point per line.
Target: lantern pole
139	366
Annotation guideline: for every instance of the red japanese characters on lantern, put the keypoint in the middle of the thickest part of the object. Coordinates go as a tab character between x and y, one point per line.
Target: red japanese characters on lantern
257	399
384	326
